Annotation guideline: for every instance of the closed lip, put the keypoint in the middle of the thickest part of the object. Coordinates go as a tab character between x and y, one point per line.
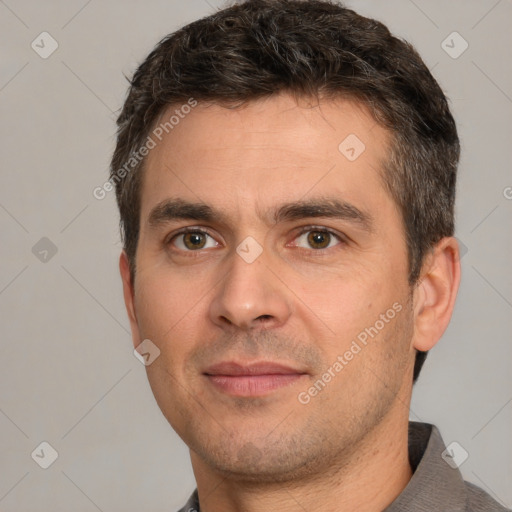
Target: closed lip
232	368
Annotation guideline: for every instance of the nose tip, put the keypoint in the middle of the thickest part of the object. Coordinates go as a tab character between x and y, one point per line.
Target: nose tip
249	298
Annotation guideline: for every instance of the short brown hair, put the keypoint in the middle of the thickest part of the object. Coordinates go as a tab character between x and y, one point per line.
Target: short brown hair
258	48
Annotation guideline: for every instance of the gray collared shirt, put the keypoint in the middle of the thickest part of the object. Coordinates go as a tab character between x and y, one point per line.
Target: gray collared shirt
434	486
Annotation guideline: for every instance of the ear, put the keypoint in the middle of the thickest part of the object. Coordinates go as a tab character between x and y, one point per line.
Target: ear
435	293
129	293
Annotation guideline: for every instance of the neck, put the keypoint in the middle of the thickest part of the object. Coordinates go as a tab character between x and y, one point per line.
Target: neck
375	474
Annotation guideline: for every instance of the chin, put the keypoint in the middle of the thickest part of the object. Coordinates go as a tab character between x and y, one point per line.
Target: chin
270	464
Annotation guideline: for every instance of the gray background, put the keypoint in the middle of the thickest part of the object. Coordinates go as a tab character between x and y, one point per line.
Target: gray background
67	372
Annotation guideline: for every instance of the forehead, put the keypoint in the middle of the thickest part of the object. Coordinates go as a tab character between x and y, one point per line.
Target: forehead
266	152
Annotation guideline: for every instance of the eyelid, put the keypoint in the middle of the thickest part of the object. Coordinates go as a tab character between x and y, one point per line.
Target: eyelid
304	229
188	229
340	236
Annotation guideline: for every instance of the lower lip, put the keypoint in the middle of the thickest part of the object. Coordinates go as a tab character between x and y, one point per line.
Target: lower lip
252	385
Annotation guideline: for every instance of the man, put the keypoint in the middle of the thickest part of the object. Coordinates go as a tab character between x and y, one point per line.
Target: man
285	173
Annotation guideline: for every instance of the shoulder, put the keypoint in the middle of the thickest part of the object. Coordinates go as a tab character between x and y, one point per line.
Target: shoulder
480	501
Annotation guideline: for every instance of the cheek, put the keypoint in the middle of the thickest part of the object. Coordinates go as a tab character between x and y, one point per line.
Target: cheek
373	356
163	306
350	301
369	313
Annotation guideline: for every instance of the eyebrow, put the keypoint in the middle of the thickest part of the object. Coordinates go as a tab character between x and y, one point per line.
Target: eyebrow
328	208
174	209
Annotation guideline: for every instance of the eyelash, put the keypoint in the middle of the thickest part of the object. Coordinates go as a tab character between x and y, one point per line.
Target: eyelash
341	238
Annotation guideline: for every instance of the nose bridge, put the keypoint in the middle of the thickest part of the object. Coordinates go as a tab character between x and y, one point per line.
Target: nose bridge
250	296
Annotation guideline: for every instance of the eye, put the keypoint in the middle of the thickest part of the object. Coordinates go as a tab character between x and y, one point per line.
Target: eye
193	240
317	239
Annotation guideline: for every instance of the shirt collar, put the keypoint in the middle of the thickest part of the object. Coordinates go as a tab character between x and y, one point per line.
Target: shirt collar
434	484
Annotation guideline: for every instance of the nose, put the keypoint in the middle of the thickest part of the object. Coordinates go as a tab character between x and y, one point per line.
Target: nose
251	296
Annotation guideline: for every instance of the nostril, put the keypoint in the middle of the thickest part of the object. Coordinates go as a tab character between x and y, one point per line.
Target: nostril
226	320
264	317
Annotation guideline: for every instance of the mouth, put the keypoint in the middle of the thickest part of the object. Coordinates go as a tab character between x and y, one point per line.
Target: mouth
252	379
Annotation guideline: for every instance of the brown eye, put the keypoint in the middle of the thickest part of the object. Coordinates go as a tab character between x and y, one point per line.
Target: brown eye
193	241
317	239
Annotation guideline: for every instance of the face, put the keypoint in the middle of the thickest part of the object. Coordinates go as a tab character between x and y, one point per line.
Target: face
272	276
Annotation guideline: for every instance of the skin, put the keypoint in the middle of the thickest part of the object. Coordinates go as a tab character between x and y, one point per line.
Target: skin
297	304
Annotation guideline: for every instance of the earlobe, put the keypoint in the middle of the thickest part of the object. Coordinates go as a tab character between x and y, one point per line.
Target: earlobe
435	294
129	296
